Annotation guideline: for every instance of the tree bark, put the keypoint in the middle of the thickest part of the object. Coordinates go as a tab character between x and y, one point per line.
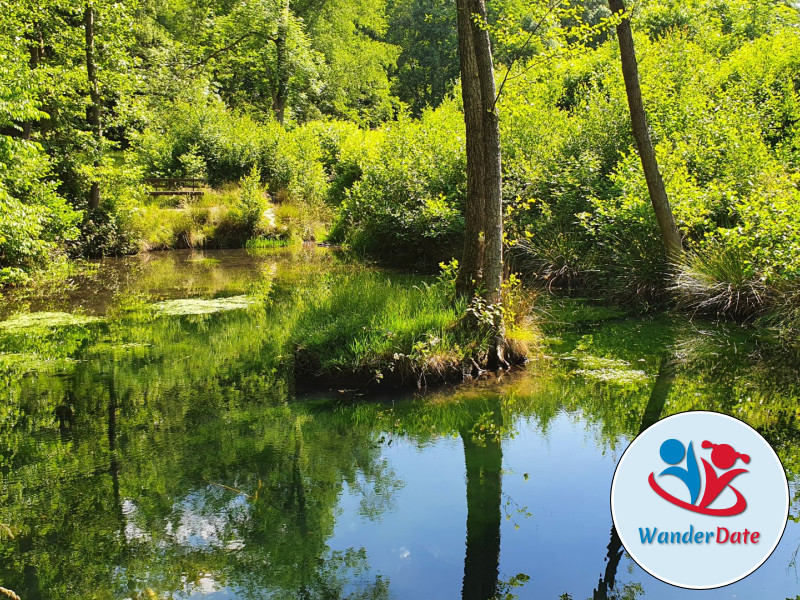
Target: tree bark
482	264
282	63
492	184
470	273
670	236
95	110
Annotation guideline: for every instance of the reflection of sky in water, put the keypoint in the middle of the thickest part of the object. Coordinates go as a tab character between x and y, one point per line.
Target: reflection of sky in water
199	525
408	511
555	528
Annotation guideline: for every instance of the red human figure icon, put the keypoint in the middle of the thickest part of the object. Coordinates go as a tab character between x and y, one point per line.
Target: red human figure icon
724	457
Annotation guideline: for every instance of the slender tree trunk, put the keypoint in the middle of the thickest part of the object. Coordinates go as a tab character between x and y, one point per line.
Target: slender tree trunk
94	93
482	263
282	63
470	273
670	235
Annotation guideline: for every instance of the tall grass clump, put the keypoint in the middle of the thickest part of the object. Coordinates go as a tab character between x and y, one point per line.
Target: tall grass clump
373	326
719	281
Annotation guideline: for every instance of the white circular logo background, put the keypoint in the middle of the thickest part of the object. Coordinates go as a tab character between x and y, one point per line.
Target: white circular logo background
677	500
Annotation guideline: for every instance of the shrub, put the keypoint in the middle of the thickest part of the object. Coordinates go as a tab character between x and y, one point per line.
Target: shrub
188	138
407	204
35	221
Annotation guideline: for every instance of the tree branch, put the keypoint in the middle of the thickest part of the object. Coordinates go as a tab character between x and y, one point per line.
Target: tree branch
519	52
230	46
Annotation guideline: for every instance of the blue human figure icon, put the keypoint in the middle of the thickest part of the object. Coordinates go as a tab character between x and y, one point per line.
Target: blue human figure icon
672	452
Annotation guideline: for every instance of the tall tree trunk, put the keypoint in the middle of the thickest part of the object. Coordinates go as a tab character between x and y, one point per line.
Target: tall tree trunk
670	236
94	93
36	49
492	186
483	247
282	63
470	273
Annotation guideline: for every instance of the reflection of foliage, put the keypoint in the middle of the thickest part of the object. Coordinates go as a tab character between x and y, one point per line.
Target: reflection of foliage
158	454
505	587
511	508
628	591
163	449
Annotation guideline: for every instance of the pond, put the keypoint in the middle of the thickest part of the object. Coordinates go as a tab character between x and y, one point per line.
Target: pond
153	445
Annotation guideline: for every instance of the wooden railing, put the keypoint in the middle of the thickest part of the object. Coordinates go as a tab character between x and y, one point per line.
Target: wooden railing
175	186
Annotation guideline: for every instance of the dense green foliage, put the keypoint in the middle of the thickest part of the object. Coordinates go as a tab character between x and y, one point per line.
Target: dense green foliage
348	110
720	83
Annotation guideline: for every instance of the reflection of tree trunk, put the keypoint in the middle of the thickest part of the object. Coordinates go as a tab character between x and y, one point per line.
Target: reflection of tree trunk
113	402
659	393
66	416
32	589
652	412
482	561
298	496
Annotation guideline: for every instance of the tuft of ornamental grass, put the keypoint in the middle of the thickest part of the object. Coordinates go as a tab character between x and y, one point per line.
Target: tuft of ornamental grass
557	258
720	281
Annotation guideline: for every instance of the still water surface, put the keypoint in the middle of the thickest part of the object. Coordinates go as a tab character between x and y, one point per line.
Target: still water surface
152	446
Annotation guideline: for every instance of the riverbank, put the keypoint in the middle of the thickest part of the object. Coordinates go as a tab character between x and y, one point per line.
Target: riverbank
332	321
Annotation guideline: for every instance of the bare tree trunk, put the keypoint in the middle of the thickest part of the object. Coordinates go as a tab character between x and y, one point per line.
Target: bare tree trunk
492	185
670	235
483	247
282	63
470	273
94	93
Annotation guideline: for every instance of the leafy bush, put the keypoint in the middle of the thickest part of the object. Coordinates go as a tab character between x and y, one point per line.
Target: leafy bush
188	138
408	202
35	222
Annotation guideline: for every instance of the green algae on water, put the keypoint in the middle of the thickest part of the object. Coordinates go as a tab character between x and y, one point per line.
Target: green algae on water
25	322
202	306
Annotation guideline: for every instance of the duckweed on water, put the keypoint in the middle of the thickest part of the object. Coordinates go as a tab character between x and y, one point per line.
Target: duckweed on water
201	306
23	323
609	370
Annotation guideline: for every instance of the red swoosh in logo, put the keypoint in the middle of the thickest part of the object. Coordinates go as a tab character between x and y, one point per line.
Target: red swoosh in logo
737	508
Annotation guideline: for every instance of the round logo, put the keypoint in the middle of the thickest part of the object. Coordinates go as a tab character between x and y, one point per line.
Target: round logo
699	500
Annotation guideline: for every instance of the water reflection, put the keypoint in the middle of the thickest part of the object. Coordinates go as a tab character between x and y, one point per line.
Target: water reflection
162	453
484	462
651	414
